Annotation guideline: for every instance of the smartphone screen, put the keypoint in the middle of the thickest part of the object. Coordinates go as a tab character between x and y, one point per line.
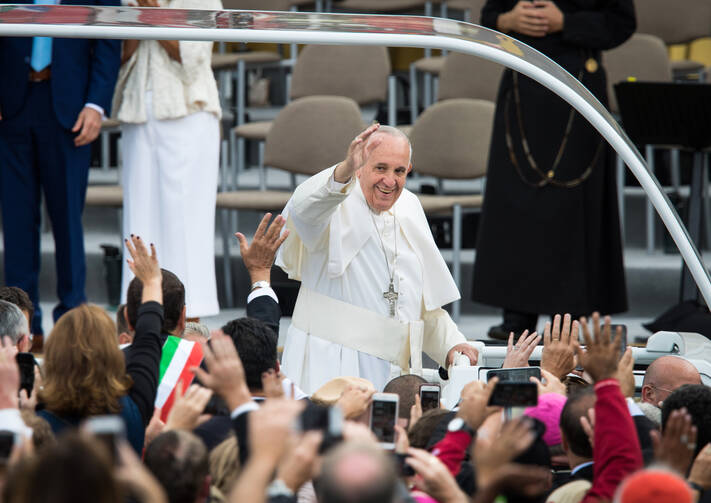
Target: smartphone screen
613	331
383	416
521	374
26	362
514	394
429	397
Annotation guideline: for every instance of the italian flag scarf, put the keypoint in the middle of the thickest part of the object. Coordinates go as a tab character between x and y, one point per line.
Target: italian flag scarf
178	357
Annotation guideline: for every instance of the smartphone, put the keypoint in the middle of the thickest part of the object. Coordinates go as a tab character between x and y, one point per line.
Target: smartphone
7	442
519	374
383	417
109	430
328	420
613	331
26	362
429	396
514	394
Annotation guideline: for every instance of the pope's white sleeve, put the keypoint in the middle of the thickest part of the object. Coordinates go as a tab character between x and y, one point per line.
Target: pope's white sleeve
313	203
440	335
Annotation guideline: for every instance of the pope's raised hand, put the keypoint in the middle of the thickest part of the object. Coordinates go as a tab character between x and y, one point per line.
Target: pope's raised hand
357	156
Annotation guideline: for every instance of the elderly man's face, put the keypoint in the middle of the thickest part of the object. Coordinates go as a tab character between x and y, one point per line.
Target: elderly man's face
383	176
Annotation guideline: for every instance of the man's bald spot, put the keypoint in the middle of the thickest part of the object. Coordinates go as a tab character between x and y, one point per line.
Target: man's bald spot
393	132
670	372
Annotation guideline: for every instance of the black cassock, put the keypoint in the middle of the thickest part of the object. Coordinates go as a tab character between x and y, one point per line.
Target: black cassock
549	237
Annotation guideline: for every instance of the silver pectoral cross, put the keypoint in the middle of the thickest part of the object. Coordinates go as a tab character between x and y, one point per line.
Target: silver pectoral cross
391	297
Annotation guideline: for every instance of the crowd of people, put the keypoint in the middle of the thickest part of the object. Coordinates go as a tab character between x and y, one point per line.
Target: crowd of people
242	431
156	408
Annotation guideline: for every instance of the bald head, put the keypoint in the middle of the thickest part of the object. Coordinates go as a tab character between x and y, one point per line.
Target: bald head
666	374
357	473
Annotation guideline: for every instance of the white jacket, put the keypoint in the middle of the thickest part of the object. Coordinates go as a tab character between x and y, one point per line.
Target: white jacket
179	89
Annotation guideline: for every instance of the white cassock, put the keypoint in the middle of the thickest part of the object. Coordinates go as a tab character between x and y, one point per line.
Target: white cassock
341	324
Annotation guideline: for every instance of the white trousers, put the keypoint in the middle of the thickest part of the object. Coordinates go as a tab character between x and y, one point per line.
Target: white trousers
170	170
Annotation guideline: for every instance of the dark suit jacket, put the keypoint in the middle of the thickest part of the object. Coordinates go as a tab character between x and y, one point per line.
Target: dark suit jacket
266	310
83	71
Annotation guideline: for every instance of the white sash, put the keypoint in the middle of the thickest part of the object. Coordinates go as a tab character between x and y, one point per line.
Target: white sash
357	328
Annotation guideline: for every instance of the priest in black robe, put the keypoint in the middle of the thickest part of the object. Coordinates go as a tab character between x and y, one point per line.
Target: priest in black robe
549	238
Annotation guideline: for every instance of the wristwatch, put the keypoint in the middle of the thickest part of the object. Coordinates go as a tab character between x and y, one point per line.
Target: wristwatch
260	284
459	424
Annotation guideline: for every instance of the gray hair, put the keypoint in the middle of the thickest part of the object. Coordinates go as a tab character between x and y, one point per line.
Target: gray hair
12	322
397	133
192	327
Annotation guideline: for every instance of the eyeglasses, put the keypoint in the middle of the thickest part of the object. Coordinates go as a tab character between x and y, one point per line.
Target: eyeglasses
662	389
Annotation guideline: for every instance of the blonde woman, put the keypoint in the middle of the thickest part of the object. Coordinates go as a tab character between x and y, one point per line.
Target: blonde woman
166	99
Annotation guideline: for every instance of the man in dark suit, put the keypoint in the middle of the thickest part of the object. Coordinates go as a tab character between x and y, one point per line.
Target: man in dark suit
53	96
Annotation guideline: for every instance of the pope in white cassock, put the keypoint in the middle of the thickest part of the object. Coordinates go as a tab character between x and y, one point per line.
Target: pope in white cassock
373	282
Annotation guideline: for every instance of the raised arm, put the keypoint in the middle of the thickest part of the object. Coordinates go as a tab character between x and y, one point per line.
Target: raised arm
145	352
310	209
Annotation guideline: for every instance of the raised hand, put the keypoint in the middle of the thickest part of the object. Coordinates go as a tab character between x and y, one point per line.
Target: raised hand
434	478
602	352
188	408
701	469
676	446
299	465
272	384
142	264
9	375
549	384
225	375
473	407
354	401
358	152
258	257
517	355
559	345
415	411
625	373
516	436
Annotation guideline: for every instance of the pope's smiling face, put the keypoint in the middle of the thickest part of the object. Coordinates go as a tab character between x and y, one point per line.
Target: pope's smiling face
383	176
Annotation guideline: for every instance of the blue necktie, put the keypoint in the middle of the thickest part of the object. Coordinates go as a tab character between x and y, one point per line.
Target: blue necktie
41	46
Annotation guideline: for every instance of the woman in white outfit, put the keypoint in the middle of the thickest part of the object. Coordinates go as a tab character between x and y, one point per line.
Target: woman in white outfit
166	99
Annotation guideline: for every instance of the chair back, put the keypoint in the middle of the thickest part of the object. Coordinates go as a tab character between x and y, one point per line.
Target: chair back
676	22
451	139
467	76
310	134
643	57
357	72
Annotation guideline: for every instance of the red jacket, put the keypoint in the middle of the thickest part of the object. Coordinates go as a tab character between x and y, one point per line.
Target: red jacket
616	453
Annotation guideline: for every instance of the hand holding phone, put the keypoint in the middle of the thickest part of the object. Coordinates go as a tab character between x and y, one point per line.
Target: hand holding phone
109	430
383	417
26	362
429	396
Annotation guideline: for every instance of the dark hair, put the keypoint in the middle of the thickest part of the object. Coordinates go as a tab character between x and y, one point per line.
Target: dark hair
697	400
16	295
576	407
406	387
121	325
178	460
256	345
421	432
173	300
74	470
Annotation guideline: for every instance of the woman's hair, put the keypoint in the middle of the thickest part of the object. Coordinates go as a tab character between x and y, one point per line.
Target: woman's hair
85	371
224	464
